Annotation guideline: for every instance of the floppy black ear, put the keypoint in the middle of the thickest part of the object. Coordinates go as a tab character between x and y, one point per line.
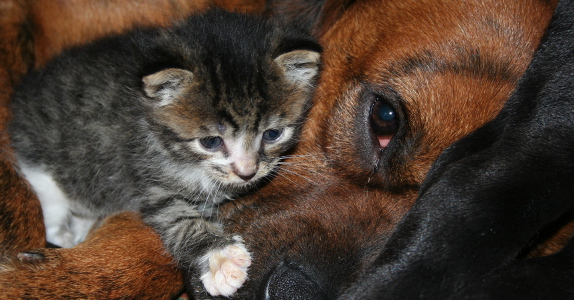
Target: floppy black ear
300	67
167	85
315	16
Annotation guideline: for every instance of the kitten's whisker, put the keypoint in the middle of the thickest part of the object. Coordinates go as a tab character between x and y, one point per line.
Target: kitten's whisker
295	183
302	155
302	173
289	176
296	168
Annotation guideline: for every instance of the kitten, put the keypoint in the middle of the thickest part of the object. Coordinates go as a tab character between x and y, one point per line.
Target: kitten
169	122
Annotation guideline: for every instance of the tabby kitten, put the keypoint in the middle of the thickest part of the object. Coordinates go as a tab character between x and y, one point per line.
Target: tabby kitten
169	122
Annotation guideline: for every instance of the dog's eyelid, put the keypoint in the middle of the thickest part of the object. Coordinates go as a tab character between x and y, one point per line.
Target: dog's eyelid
384	92
384	99
390	97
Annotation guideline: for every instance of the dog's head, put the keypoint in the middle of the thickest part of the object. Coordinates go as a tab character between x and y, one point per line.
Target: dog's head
401	81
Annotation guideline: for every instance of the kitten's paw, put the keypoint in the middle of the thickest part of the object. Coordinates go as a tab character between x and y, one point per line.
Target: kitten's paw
227	269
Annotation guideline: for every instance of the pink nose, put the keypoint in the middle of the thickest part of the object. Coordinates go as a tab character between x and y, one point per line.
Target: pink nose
246	177
245	173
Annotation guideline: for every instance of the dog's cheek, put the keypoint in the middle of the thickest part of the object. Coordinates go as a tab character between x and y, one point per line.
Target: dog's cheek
347	140
320	240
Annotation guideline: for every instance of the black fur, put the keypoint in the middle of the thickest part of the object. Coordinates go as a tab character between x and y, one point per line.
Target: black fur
490	194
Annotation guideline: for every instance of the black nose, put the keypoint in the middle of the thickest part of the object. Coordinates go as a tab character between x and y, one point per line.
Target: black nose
289	283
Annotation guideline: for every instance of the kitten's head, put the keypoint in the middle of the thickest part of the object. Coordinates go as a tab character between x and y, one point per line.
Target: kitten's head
232	128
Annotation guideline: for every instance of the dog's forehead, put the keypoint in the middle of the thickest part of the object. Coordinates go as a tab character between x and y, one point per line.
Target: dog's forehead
452	63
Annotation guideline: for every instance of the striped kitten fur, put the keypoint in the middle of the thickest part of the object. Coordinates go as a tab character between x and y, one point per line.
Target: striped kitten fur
169	122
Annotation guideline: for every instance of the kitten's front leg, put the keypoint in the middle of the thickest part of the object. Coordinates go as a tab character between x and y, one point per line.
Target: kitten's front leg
224	270
200	246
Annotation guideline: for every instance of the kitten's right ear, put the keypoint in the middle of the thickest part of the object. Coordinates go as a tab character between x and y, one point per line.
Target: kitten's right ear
167	85
300	66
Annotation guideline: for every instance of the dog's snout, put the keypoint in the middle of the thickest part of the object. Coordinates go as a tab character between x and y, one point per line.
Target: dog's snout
288	283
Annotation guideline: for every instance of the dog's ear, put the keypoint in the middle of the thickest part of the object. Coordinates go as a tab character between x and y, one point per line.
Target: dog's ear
312	15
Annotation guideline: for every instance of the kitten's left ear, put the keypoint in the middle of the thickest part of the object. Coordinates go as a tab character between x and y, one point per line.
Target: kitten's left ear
166	85
300	66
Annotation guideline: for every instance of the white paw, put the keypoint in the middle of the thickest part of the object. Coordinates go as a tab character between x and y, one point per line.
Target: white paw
227	269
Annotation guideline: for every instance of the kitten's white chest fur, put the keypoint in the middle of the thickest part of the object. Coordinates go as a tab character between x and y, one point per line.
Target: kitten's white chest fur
63	228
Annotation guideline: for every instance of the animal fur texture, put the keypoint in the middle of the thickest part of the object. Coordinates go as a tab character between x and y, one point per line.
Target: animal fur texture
32	33
491	194
169	122
320	225
446	68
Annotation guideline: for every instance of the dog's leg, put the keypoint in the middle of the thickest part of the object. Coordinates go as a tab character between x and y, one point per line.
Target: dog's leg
122	259
21	226
482	206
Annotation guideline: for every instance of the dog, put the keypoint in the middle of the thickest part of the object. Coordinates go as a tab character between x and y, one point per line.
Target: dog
491	194
435	64
401	81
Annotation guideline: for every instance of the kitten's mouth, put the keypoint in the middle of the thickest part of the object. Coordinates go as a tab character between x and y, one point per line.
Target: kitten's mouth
246	183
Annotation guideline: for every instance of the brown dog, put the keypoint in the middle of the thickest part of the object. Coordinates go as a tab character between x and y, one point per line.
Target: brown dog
444	67
402	80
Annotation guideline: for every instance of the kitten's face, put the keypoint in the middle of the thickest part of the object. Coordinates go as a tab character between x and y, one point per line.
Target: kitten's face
240	156
234	135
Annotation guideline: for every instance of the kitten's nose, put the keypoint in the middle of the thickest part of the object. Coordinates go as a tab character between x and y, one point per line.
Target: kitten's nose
246	177
245	172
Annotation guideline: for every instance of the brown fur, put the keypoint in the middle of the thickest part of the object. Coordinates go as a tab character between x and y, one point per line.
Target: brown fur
64	268
333	210
329	210
21	225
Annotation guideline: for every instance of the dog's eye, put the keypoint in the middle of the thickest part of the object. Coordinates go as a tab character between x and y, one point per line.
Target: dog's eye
384	121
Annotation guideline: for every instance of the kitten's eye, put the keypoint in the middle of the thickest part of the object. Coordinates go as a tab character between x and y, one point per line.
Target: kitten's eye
271	135
211	143
384	121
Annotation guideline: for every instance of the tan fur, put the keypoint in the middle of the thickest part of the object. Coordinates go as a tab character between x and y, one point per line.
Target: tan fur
327	204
